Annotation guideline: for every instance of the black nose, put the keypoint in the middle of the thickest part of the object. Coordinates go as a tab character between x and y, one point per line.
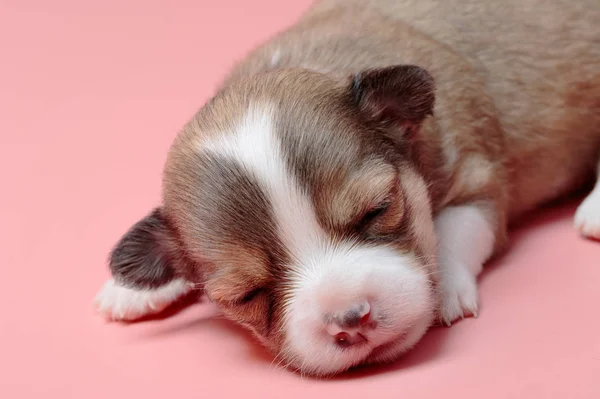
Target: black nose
344	326
354	317
351	319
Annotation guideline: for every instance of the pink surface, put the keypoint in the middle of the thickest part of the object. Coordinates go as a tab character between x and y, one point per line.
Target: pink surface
91	96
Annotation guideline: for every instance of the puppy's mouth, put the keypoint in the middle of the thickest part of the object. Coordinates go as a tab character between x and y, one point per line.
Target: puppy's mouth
345	340
403	342
358	341
376	354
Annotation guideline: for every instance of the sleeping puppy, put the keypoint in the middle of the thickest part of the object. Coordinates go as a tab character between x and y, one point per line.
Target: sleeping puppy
343	189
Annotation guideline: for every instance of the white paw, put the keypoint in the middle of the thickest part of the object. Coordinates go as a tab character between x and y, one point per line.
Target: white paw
459	296
117	302
587	217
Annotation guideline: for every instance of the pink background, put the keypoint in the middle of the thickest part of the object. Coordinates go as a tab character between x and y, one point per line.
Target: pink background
91	96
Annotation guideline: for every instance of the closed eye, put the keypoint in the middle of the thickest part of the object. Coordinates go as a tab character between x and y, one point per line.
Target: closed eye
372	214
250	296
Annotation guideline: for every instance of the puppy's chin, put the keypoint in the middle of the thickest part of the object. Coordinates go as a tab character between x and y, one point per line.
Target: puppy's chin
390	289
395	348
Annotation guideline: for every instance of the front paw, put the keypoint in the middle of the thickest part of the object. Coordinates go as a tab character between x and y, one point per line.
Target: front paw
458	292
587	217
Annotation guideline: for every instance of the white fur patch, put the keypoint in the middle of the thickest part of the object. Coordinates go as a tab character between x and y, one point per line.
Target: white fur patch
587	217
256	146
450	154
326	277
475	173
465	242
331	280
275	58
118	302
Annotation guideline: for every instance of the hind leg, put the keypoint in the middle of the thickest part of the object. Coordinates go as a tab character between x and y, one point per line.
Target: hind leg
587	217
144	268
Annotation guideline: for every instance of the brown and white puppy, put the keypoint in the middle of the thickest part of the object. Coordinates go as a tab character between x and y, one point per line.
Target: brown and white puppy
344	188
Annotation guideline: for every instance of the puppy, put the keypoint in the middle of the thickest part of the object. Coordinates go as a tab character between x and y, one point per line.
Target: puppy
343	189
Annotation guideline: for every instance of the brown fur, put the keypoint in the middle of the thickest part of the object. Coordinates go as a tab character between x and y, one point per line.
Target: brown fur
517	82
514	89
225	222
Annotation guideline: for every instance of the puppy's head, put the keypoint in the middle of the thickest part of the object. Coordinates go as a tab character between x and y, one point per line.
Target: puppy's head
297	199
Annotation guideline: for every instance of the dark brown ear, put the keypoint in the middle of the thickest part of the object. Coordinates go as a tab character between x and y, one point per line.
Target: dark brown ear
398	96
147	256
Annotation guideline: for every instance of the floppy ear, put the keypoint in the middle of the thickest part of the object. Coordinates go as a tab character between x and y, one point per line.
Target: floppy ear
148	255
148	269
399	96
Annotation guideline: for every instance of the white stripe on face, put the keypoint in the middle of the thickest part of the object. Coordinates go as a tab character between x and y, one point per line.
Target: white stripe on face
255	145
324	277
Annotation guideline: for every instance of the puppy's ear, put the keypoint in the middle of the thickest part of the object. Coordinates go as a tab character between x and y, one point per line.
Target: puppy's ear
148	255
399	96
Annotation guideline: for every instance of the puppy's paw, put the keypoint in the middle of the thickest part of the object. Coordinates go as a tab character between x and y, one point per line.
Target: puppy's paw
459	298
118	302
587	217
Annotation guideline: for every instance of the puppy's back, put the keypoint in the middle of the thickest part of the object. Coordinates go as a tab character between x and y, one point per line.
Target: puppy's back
531	65
540	63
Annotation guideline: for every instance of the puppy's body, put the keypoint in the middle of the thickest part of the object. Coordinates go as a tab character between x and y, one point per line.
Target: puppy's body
517	81
322	200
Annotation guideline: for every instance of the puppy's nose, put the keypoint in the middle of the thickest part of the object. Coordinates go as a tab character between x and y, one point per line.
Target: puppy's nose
344	327
356	316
